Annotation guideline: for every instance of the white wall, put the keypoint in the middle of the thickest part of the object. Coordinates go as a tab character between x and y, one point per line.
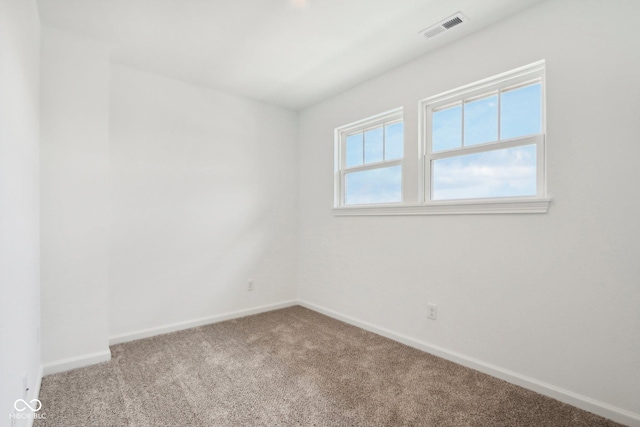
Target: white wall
19	211
551	297
74	199
203	193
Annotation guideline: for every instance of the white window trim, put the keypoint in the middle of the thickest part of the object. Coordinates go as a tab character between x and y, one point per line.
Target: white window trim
340	169
458	207
525	205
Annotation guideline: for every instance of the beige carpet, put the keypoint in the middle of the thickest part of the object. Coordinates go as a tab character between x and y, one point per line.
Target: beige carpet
290	367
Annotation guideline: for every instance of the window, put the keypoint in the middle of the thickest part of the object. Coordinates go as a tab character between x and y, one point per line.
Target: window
480	150
486	140
369	155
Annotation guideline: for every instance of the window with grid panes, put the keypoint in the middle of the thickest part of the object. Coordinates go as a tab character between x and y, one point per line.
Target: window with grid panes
369	161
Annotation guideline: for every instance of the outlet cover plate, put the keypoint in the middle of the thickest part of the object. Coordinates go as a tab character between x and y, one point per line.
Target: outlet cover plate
432	311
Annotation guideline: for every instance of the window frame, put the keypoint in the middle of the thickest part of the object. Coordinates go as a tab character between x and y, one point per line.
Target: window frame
420	203
510	80
340	161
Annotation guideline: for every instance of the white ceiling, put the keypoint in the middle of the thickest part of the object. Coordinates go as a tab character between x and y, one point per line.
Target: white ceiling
291	53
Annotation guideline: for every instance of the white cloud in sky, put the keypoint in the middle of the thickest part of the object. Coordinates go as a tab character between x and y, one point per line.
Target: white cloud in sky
383	185
499	173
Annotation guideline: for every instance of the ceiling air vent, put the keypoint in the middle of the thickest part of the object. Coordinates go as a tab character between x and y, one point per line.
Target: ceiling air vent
444	25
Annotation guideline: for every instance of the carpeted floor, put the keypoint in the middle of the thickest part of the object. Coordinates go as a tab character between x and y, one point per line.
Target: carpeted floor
289	367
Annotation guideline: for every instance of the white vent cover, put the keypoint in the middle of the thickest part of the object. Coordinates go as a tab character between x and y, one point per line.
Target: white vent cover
444	25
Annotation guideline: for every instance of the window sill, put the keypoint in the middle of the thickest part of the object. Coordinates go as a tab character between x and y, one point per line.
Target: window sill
466	207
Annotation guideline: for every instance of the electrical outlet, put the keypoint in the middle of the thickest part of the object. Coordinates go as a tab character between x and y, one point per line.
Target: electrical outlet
250	285
432	311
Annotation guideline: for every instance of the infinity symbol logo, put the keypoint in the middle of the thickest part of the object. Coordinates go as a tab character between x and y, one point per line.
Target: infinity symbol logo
25	405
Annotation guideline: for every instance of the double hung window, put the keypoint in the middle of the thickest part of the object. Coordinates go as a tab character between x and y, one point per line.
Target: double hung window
486	140
369	161
480	149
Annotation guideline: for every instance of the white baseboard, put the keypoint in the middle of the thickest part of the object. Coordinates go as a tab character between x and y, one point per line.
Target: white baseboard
105	356
75	362
146	333
583	402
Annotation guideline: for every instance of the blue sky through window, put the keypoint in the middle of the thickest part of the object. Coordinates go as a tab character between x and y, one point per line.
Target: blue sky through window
506	172
498	173
373	145
521	111
447	128
481	121
354	150
394	141
382	185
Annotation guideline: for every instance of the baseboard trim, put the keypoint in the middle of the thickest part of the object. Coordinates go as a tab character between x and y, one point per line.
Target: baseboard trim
146	333
75	362
583	402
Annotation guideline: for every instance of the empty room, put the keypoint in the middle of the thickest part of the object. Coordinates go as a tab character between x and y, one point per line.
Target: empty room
319	213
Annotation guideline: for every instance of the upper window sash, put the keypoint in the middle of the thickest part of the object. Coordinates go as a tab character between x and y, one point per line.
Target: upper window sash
474	96
342	133
372	164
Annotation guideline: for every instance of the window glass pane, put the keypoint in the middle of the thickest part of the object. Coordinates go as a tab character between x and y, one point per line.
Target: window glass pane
481	120
498	173
373	145
447	128
382	185
354	150
393	141
521	111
